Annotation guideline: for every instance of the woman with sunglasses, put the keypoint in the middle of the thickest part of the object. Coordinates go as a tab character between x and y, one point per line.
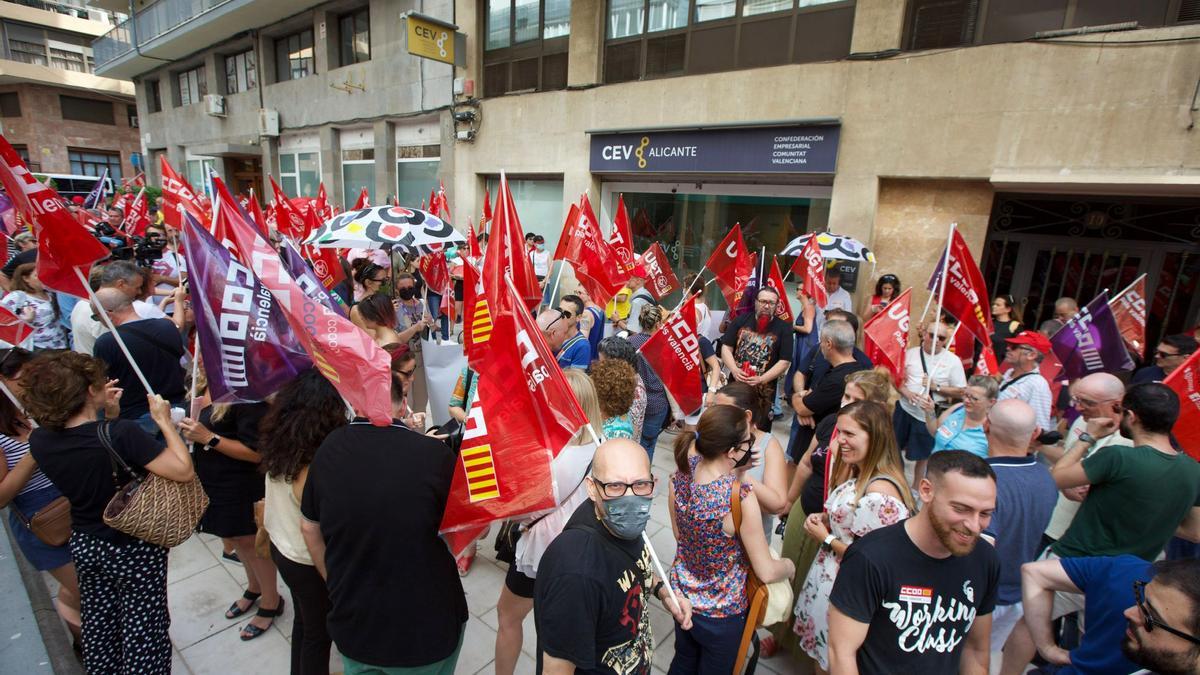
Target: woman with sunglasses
714	556
369	279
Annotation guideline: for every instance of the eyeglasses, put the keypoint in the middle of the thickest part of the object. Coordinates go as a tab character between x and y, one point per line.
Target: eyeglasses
975	399
616	488
1160	354
767	303
406	373
1077	401
379	280
566	313
935	336
1139	598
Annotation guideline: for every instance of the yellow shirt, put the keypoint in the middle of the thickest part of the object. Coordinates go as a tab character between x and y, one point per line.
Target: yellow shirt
617	309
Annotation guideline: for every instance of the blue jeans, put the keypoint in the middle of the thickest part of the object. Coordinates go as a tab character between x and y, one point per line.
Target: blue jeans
652	426
709	648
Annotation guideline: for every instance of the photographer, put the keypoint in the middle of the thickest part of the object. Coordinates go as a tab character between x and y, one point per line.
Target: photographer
159	251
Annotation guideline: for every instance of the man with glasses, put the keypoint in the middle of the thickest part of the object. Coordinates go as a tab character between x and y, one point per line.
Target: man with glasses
930	370
757	347
1169	355
575	351
1024	380
1164	621
595	579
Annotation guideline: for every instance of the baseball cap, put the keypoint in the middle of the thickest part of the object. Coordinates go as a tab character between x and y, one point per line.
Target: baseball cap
77	200
1031	338
638	271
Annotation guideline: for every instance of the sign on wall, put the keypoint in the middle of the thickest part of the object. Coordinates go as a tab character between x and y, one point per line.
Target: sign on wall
791	149
432	39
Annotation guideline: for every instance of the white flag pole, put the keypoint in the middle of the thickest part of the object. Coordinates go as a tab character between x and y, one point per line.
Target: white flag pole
937	317
116	335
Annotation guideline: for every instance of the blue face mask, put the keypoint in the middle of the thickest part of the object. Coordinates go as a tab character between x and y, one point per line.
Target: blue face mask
626	516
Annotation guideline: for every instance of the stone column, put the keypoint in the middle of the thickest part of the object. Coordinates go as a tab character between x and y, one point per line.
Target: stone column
385	164
586	42
331	160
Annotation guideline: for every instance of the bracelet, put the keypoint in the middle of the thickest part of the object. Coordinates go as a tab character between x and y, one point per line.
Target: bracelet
658	588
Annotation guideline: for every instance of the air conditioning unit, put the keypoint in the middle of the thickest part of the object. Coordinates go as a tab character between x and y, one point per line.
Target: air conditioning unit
268	122
214	104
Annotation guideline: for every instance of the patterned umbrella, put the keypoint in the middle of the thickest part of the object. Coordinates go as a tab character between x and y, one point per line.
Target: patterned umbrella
384	227
833	246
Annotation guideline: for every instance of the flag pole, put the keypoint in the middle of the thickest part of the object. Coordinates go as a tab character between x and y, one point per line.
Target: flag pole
557	279
693	293
12	397
117	336
937	317
662	575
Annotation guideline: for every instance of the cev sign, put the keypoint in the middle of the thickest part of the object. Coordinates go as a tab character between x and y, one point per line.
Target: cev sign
430	38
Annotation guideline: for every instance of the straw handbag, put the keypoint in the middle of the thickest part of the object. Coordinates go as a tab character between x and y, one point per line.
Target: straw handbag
152	508
769	603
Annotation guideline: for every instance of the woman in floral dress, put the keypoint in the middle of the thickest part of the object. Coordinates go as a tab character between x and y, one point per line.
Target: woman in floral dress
871	493
36	306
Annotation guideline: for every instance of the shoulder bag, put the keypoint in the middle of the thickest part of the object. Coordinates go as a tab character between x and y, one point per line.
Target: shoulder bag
51	525
152	508
769	603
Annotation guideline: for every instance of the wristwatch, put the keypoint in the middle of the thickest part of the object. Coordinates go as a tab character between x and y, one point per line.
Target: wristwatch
657	589
828	543
212	443
1087	438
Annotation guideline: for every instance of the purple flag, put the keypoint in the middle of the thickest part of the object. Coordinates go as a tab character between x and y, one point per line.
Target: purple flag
1091	342
296	266
96	196
249	350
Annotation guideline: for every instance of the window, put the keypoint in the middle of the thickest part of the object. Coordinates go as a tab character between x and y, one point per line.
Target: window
241	72
10	104
294	56
657	38
193	86
354	37
94	162
68	60
131	116
27	52
300	173
526	46
197	172
540	203
416	172
87	110
23	153
358	172
153	96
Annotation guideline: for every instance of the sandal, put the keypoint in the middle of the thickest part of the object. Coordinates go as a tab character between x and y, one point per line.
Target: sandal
235	611
250	631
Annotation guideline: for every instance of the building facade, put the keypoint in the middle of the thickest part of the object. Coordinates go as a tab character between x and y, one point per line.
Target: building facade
55	110
305	92
1069	160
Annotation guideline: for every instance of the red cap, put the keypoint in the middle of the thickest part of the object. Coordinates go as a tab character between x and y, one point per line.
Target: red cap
77	200
1033	339
638	271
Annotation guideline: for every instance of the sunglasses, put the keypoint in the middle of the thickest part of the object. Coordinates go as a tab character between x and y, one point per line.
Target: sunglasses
406	373
1139	598
616	488
1160	354
935	336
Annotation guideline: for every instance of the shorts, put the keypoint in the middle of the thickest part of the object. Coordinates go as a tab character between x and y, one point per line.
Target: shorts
1004	619
517	582
912	436
229	520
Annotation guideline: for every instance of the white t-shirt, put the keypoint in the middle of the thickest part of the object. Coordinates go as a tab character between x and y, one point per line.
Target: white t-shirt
541	262
171	265
840	299
945	370
640	299
1064	511
85	330
1034	390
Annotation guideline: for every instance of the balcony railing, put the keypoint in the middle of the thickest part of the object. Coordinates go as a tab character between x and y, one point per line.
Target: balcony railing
151	23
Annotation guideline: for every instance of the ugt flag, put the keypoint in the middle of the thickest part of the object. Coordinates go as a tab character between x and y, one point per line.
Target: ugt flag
595	265
810	265
673	351
249	350
732	265
783	310
1091	342
1185	380
12	329
885	336
966	296
1129	309
506	255
660	279
621	238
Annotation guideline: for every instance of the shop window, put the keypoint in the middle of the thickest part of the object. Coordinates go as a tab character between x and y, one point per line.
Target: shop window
241	72
416	172
539	204
358	172
300	173
94	162
294	56
87	110
192	85
354	37
658	38
526	45
153	96
10	104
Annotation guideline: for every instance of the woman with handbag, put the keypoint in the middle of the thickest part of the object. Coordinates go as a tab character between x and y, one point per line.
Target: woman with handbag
715	557
301	416
39	514
870	493
122	579
224	440
531	539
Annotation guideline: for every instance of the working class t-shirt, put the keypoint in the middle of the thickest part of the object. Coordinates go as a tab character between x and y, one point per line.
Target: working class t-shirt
919	608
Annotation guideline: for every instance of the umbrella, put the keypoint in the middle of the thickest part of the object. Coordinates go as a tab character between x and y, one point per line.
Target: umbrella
384	227
833	246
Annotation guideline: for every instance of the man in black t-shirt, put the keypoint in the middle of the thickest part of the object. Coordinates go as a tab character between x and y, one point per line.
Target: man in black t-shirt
917	597
824	399
757	348
595	578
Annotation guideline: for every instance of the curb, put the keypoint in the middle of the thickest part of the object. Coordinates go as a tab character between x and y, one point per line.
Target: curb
54	634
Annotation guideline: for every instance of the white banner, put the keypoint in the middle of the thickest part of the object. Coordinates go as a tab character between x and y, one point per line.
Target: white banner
443	364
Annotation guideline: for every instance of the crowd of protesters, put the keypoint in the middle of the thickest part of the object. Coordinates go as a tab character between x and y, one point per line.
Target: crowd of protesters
926	527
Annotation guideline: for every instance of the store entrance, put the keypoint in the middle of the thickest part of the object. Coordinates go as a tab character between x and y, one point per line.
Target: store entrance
690	221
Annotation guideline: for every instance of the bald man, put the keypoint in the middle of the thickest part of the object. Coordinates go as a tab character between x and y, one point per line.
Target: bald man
1065	309
1025	498
595	579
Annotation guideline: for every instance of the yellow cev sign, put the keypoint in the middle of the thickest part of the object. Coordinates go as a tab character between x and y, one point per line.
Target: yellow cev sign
430	40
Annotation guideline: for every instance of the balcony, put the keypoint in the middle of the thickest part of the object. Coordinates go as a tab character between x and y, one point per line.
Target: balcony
173	29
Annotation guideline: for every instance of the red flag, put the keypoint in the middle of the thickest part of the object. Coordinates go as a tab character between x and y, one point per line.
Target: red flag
810	265
621	238
327	266
177	195
485	221
660	279
433	205
288	219
1185	380
674	353
364	200
732	265
1129	309
443	211
324	211
477	318
962	345
775	280
260	219
512	432
12	329
987	363
121	203
473	248
506	253
885	335
63	244
434	271
584	247
139	215
966	296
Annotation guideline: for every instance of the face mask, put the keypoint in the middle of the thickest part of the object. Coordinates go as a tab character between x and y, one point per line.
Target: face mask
626	516
744	460
541	247
406	293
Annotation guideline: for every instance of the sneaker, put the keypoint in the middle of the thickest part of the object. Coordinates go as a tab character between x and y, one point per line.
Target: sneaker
231	557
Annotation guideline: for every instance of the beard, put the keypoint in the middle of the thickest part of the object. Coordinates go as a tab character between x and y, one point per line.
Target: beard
1158	660
945	534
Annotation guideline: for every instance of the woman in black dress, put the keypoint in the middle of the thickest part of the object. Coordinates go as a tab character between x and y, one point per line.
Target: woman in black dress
224	441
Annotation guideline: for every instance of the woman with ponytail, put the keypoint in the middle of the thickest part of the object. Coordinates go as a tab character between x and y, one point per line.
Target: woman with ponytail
768	467
714	557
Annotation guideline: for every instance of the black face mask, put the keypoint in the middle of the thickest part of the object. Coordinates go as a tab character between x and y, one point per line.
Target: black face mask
744	460
406	293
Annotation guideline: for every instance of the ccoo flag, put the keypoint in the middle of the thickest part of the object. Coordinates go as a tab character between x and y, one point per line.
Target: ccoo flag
249	350
885	336
96	196
309	279
1129	309
1091	342
179	197
506	254
673	351
783	310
